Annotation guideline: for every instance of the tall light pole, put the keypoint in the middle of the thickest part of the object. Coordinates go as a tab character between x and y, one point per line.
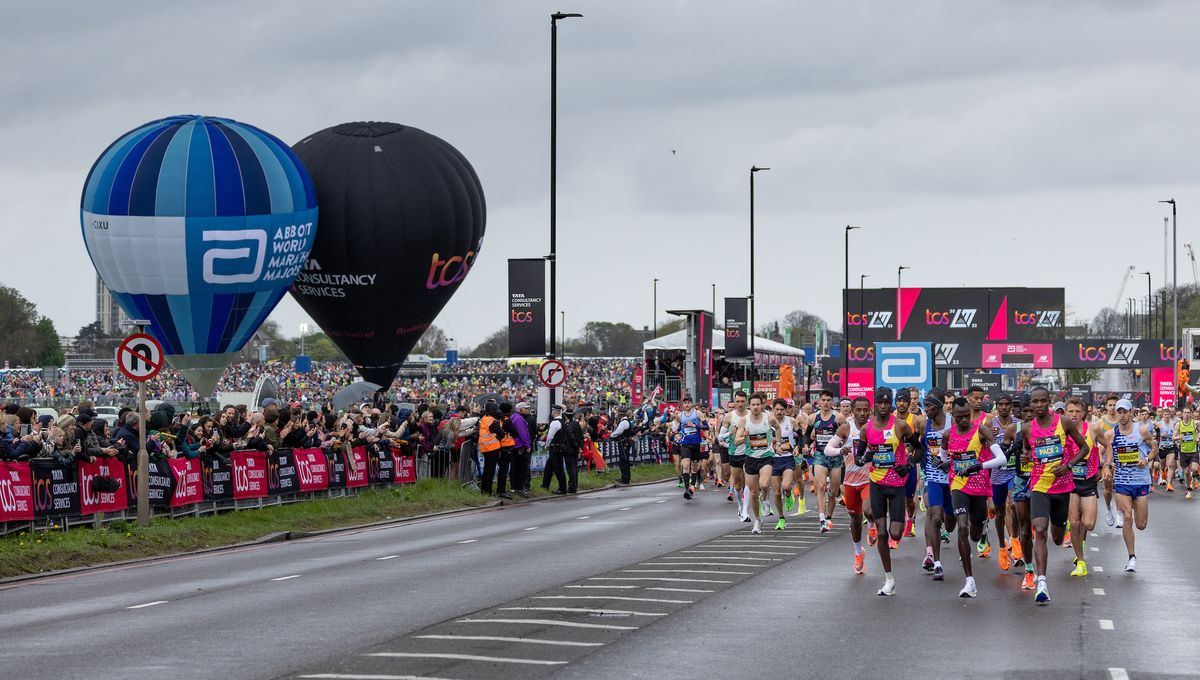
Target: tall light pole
845	310
1174	280
554	19
753	169
714	305
564	331
655	320
899	271
861	278
1149	306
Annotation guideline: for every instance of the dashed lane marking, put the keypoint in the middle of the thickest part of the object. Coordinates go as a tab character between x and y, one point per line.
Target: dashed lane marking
466	657
148	604
388	557
1118	674
551	622
699	564
368	676
1097	591
647	578
286	578
469	540
584	517
606	587
583	610
527	641
608	597
530	528
682	590
685	571
1106	624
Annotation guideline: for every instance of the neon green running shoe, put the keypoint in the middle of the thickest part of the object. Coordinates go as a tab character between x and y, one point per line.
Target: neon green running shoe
781	524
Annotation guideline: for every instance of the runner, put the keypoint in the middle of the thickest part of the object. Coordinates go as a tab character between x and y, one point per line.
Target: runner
757	430
690	425
939	507
916	423
1002	482
1134	447
783	465
1188	460
856	485
975	395
1019	497
1164	465
827	469
970	454
1050	479
1082	514
737	454
885	445
1108	420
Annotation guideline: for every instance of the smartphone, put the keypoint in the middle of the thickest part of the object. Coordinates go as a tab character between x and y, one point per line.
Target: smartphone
25	429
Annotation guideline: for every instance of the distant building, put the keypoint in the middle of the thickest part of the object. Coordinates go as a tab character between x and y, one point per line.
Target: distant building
112	319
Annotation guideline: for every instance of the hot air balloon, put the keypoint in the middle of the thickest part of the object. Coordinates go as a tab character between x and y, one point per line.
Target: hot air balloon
198	225
402	219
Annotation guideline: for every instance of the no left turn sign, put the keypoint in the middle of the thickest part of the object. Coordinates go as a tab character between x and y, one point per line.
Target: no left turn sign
553	373
139	357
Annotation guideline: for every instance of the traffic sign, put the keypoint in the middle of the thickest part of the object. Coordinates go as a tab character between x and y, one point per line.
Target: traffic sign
553	373
139	357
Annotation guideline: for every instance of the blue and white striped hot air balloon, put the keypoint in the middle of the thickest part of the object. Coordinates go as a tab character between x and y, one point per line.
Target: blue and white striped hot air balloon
199	225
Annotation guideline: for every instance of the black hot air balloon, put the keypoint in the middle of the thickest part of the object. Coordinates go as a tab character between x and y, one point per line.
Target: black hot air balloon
402	220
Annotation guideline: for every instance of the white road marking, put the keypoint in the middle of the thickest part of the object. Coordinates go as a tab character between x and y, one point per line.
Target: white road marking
736	552
389	557
685	571
551	622
683	590
1118	674
1095	549
758	559
621	587
1095	535
1097	591
469	540
1100	569
530	528
1106	624
650	578
361	676
584	517
660	501
467	657
698	564
530	641
626	508
582	610
285	578
148	604
608	597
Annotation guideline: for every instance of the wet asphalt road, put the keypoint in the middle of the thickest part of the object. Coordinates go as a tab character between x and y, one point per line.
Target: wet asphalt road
617	584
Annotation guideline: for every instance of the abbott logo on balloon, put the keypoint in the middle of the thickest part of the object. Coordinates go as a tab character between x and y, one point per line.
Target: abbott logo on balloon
228	256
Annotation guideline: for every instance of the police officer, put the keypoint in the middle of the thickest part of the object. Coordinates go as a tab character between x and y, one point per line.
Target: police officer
555	439
573	445
624	437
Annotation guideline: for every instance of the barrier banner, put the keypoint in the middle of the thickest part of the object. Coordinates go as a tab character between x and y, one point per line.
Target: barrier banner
406	469
769	388
312	469
356	468
55	488
162	483
381	465
218	479
526	307
1162	386
281	473
336	462
249	474
91	501
189	485
16	492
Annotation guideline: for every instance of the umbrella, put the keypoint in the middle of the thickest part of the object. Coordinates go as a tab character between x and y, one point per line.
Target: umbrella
482	399
356	393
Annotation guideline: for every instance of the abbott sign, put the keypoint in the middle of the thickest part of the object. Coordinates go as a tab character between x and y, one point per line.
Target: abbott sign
904	364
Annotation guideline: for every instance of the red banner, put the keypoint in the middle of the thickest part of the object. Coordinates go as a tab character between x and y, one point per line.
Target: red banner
249	474
860	383
92	501
312	469
356	468
769	388
16	492
189	486
406	469
1018	355
637	386
1162	386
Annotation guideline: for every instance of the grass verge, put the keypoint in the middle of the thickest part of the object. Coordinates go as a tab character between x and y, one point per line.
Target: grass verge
42	551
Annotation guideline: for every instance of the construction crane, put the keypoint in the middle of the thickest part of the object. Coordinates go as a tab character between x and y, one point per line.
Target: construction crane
1121	290
1192	257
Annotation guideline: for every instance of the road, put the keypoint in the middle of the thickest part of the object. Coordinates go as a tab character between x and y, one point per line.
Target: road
622	583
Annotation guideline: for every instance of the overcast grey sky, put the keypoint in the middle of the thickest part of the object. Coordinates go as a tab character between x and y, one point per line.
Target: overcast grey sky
980	143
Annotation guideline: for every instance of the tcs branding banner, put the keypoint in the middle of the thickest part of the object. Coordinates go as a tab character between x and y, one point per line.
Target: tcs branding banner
900	365
955	314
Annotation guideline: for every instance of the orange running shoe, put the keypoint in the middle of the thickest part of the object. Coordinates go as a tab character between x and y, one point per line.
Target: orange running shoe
1028	583
1003	559
872	534
893	544
860	565
991	513
1170	487
986	552
1015	548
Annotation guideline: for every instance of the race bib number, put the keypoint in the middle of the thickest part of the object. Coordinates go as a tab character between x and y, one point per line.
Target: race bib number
759	441
883	456
689	430
1187	437
1127	455
1047	449
785	445
963	460
1079	470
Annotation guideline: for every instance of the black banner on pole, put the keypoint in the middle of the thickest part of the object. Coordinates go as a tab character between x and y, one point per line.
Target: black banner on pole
526	307
704	333
736	322
990	382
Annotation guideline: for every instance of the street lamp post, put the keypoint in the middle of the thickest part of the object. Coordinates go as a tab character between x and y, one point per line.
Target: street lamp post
554	19
845	310
1149	306
861	278
1174	279
714	305
899	271
654	331
753	169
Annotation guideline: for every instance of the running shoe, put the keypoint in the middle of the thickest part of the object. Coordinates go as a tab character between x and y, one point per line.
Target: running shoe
1028	583
824	526
1170	487
986	552
1042	596
756	527
747	518
702	486
909	528
1015	548
1004	559
1067	541
1120	521
692	488
1108	516
983	547
687	494
927	565
1162	481
969	589
729	497
893	544
1080	568
781	524
888	589
939	574
828	525
872	534
720	484
1187	496
860	563
945	536
1131	565
788	503
921	503
801	508
679	484
764	509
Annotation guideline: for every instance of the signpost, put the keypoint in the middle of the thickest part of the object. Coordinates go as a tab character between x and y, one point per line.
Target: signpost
553	374
140	358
